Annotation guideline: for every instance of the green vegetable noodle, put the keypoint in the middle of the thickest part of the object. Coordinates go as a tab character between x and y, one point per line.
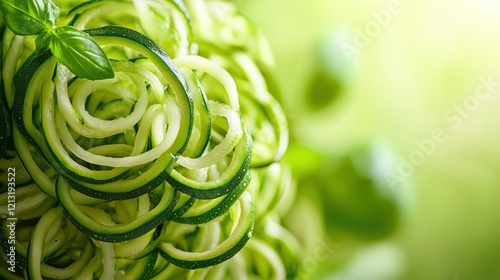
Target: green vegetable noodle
140	139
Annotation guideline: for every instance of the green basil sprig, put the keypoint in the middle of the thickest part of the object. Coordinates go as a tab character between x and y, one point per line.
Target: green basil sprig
74	48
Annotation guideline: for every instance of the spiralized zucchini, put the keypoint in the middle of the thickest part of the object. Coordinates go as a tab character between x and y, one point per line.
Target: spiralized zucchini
169	170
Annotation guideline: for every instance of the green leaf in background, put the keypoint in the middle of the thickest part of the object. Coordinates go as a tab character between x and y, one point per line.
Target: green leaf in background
323	91
356	200
29	17
351	190
80	53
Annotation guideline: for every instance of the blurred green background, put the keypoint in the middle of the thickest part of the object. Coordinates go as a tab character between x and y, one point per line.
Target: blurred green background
405	95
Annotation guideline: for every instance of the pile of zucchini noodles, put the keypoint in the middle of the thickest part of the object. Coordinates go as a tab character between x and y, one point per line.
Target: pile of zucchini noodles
169	170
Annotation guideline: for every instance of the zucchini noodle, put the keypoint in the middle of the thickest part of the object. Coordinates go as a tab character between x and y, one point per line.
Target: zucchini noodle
169	170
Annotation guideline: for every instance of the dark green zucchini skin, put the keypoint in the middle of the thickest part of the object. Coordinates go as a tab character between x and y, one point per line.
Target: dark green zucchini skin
4	134
221	208
244	150
247	221
149	223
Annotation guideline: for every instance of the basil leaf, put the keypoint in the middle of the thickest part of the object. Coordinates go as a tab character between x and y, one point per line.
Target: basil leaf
51	16
80	53
29	17
42	41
